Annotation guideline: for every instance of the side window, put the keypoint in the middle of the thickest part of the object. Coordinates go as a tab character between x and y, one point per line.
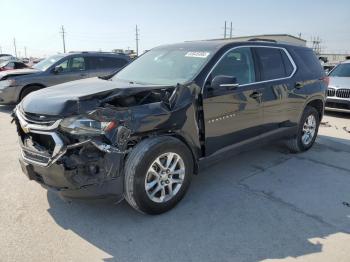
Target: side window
115	62
77	64
64	66
271	61
106	62
237	63
309	62
19	66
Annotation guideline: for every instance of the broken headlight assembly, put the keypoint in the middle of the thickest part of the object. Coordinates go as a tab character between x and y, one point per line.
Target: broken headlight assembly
85	126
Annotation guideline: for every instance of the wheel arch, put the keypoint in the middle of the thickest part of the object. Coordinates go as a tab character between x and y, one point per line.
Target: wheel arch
182	139
318	104
28	86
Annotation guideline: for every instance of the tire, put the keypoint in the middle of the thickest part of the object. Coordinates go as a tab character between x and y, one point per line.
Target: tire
137	169
297	143
28	90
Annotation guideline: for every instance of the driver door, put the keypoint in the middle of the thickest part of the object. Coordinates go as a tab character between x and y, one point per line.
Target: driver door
232	115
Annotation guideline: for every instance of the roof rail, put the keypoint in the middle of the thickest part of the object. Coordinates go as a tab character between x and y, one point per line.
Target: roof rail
263	40
89	52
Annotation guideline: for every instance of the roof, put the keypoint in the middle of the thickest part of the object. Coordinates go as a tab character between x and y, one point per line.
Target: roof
215	44
267	36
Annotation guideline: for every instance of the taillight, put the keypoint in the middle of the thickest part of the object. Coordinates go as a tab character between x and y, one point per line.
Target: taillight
325	80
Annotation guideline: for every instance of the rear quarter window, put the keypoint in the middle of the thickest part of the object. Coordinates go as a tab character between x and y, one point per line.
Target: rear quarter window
309	63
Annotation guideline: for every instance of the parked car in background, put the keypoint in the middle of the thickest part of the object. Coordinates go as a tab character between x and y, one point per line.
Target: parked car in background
57	69
6	57
11	65
338	93
142	133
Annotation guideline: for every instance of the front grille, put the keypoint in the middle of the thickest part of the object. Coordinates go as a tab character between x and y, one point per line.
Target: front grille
36	119
331	92
343	93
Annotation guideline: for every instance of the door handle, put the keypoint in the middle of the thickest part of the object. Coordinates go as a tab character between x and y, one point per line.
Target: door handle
299	85
256	95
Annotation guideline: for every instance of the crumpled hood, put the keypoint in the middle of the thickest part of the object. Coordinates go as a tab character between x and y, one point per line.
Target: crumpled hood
17	72
79	96
339	82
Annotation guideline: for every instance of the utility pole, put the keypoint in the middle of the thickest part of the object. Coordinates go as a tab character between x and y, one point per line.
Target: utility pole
25	52
231	30
63	39
0	50
137	41
316	45
225	30
14	44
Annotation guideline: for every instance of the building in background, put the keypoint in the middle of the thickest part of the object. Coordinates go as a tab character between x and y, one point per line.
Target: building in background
332	60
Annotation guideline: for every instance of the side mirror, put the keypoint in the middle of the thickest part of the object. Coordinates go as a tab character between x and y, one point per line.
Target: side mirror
228	82
58	69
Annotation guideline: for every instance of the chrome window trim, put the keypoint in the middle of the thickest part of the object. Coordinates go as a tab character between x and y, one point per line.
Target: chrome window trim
258	82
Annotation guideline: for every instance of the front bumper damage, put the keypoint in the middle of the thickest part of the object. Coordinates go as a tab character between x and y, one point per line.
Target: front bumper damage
84	169
93	166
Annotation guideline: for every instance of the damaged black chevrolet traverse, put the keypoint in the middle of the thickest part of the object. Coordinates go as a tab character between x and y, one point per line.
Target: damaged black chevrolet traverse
141	133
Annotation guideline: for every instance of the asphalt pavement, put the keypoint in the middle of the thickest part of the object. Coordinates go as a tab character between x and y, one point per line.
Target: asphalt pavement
262	205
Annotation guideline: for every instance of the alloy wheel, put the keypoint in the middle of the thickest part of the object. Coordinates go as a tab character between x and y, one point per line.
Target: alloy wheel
165	177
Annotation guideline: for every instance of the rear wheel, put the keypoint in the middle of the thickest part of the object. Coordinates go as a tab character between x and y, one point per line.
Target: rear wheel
28	90
158	173
307	131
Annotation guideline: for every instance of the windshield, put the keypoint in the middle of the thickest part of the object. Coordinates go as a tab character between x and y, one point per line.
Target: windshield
46	63
342	70
164	67
3	63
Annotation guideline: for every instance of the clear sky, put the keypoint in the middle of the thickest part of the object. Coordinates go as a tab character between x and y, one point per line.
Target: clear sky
108	24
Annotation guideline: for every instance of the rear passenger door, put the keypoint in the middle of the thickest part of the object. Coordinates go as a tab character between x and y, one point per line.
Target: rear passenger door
100	66
276	69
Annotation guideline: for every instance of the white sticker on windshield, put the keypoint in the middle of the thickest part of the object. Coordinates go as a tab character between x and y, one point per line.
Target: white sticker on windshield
197	54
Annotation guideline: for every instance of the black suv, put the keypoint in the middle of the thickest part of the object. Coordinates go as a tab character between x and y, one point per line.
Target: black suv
57	69
142	133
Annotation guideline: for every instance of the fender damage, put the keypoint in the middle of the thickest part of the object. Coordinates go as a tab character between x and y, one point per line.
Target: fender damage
92	166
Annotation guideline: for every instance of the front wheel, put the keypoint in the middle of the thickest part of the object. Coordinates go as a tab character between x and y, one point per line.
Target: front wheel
158	172
307	131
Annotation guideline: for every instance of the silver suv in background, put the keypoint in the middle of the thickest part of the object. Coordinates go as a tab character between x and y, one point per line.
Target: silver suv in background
338	93
57	69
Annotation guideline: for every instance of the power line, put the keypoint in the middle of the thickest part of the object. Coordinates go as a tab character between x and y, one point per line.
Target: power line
63	39
137	40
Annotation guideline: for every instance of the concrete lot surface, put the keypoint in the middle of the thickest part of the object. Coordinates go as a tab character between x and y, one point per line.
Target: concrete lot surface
263	205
